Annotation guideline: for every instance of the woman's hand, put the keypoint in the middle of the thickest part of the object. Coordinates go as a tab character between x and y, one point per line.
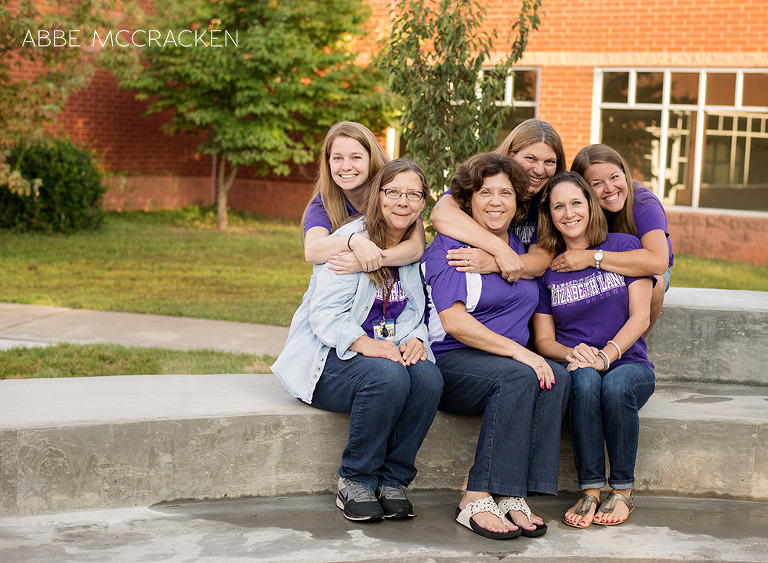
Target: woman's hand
510	264
584	356
543	371
573	261
344	262
413	351
371	348
472	260
370	256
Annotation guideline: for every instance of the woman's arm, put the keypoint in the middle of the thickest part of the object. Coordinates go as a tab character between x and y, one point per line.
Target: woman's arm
639	318
407	252
652	259
450	220
471	332
319	247
544	337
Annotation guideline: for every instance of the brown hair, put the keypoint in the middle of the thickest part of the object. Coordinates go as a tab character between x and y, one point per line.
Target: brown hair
623	221
549	238
374	219
331	194
533	131
471	173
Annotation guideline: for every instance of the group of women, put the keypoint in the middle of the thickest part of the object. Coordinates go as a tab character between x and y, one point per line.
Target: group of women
530	302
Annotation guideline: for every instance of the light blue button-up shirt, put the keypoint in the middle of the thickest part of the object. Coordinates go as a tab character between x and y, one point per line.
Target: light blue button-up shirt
331	314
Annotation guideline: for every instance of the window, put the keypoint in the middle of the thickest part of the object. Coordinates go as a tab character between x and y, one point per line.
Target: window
696	137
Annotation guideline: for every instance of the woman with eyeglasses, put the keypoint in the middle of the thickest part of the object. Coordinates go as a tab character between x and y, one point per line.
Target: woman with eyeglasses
478	329
358	344
350	158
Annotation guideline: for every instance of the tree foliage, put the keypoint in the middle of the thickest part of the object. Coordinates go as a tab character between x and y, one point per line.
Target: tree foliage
440	62
28	102
266	101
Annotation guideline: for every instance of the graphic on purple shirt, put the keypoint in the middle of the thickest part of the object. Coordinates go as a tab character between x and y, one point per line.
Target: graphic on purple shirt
649	215
526	231
395	305
503	307
592	305
317	216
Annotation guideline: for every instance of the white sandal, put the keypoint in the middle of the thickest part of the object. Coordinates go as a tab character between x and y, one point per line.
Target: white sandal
518	503
487	504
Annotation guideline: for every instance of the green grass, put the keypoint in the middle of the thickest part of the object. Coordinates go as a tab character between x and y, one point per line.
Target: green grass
70	360
176	263
168	263
689	271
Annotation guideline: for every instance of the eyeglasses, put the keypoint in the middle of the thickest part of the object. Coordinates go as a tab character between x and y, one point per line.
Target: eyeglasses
392	193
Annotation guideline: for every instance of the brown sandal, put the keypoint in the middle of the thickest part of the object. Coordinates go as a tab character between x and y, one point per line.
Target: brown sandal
583	507
610	504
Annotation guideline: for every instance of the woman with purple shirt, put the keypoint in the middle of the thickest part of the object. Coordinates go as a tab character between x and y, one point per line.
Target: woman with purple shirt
478	330
593	320
633	211
351	156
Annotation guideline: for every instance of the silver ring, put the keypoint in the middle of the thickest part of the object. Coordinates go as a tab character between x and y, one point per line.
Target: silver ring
540	366
466	263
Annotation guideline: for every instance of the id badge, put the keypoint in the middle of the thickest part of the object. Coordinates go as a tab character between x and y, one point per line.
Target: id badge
384	329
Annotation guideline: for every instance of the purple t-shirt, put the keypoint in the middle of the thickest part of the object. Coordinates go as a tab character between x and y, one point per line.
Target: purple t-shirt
503	307
592	305
526	231
649	215
395	305
317	216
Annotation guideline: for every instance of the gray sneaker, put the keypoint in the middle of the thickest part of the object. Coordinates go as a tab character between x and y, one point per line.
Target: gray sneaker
358	503
394	502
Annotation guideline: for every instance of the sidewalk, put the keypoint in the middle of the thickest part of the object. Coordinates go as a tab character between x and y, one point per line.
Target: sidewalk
37	325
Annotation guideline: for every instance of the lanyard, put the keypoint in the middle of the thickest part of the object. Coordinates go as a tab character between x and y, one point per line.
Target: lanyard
389	293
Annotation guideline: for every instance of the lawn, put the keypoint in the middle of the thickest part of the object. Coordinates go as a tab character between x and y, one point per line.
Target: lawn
176	263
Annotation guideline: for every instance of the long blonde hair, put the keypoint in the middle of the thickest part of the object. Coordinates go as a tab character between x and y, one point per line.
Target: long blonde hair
330	193
623	221
375	223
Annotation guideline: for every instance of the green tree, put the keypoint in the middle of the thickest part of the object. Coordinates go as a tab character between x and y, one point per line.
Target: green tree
32	99
265	98
438	62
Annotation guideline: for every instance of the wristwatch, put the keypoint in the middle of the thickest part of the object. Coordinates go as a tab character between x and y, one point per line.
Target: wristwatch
598	258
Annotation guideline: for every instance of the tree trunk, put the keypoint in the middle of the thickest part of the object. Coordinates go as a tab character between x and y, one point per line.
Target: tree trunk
223	184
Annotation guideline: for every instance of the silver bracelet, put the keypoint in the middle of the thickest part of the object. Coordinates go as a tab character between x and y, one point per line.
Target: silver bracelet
617	348
606	361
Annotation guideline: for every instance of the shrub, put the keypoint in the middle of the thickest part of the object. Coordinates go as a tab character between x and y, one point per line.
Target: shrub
60	189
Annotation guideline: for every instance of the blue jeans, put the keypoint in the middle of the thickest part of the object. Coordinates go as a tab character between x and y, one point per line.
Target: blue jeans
519	445
391	409
603	415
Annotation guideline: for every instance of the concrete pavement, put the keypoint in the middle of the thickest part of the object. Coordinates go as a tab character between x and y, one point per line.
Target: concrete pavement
38	325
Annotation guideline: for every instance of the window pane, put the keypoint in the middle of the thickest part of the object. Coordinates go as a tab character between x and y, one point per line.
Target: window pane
735	167
681	136
649	87
721	89
684	88
524	86
615	87
635	134
755	90
514	118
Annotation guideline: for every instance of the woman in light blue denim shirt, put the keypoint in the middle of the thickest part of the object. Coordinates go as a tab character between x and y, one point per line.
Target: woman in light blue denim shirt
358	344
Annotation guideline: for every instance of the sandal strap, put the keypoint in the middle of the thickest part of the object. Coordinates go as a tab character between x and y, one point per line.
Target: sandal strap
610	503
486	504
585	504
516	503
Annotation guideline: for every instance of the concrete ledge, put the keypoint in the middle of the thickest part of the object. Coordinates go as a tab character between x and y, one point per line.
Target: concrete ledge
69	444
712	336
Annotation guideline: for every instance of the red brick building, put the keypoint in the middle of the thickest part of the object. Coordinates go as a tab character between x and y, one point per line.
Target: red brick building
680	87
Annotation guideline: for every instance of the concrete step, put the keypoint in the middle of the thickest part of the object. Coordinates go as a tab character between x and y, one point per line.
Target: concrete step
312	529
712	336
80	443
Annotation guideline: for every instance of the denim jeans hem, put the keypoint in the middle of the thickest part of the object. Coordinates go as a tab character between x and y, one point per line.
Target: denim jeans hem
592	485
622	485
